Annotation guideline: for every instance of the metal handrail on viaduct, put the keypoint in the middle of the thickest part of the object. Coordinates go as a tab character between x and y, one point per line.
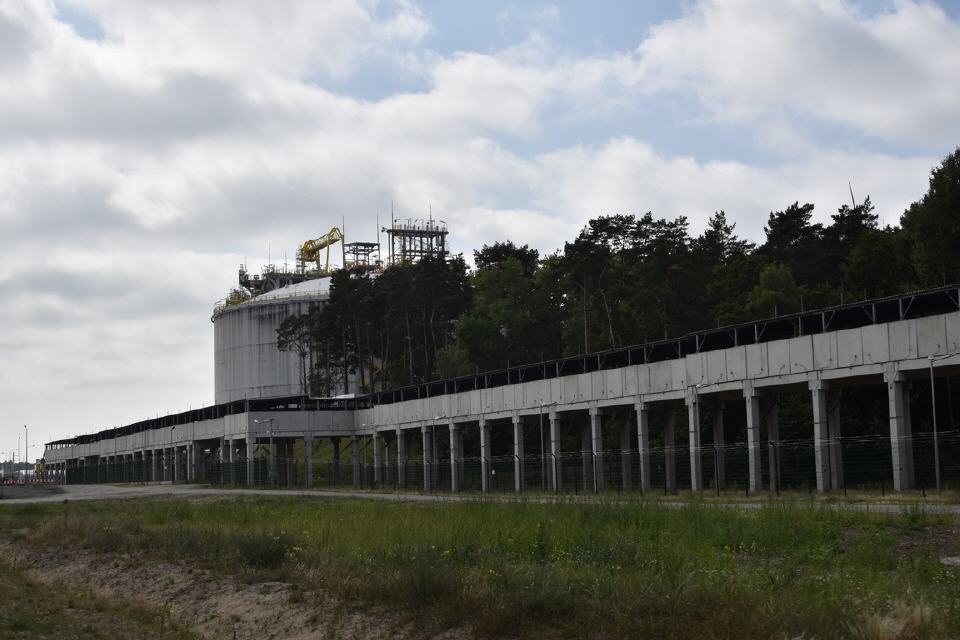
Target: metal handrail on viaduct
888	340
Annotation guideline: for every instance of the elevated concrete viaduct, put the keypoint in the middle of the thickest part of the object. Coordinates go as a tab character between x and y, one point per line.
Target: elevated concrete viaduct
888	342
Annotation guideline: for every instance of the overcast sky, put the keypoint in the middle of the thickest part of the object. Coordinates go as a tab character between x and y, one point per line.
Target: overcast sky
148	148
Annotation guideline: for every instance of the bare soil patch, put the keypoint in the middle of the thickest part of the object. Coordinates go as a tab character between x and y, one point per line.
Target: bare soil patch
931	541
214	605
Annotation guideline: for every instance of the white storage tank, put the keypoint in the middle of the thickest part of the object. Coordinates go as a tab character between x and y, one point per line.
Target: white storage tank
247	362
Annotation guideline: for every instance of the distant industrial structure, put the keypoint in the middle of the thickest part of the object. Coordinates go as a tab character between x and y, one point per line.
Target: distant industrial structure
412	240
247	361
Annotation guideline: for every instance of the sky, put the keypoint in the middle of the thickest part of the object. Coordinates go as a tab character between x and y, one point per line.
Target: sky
149	148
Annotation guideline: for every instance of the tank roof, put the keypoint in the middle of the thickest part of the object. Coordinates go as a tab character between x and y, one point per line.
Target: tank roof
319	286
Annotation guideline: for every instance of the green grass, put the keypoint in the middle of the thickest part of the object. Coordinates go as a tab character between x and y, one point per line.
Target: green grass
30	609
568	569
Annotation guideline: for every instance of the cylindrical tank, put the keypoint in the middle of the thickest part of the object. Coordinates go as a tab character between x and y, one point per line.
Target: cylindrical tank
247	362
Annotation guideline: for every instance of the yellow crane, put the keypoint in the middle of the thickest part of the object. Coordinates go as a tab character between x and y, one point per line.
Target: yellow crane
310	251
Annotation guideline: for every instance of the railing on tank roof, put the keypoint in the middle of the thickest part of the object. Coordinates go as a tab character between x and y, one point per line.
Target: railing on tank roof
222	305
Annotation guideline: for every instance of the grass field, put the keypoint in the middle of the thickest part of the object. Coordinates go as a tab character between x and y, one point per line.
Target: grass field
569	569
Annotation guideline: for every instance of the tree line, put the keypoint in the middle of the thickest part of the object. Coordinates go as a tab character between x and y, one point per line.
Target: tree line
625	279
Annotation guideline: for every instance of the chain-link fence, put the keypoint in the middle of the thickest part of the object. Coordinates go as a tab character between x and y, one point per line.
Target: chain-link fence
861	464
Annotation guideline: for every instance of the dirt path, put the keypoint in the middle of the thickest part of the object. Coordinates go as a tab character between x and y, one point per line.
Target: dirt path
212	604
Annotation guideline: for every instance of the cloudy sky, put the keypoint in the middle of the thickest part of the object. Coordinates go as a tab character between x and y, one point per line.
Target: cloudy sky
149	148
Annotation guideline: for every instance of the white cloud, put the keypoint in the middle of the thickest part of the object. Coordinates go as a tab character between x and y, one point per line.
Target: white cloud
628	176
891	75
250	37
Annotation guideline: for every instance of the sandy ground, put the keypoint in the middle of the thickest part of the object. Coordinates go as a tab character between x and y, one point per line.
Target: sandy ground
214	605
112	492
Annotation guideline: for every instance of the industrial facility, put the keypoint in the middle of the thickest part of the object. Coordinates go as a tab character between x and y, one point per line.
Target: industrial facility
248	362
505	429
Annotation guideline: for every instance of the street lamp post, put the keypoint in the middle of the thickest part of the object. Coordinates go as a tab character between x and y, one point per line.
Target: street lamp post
933	411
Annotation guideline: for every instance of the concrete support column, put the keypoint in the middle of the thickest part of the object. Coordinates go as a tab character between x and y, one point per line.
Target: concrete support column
900	449
753	438
772	421
197	462
719	448
460	457
670	450
335	444
401	459
696	459
389	457
251	447
821	449
643	444
427	440
291	462
484	456
175	464
145	464
223	476
596	448
836	447
586	458
357	471
377	461
555	470
308	458
155	473
455	440
518	479
625	466
231	461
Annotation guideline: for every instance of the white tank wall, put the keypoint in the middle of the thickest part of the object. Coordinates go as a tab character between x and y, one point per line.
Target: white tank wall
247	362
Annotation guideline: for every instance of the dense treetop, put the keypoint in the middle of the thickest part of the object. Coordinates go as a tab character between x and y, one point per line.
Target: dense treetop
624	279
